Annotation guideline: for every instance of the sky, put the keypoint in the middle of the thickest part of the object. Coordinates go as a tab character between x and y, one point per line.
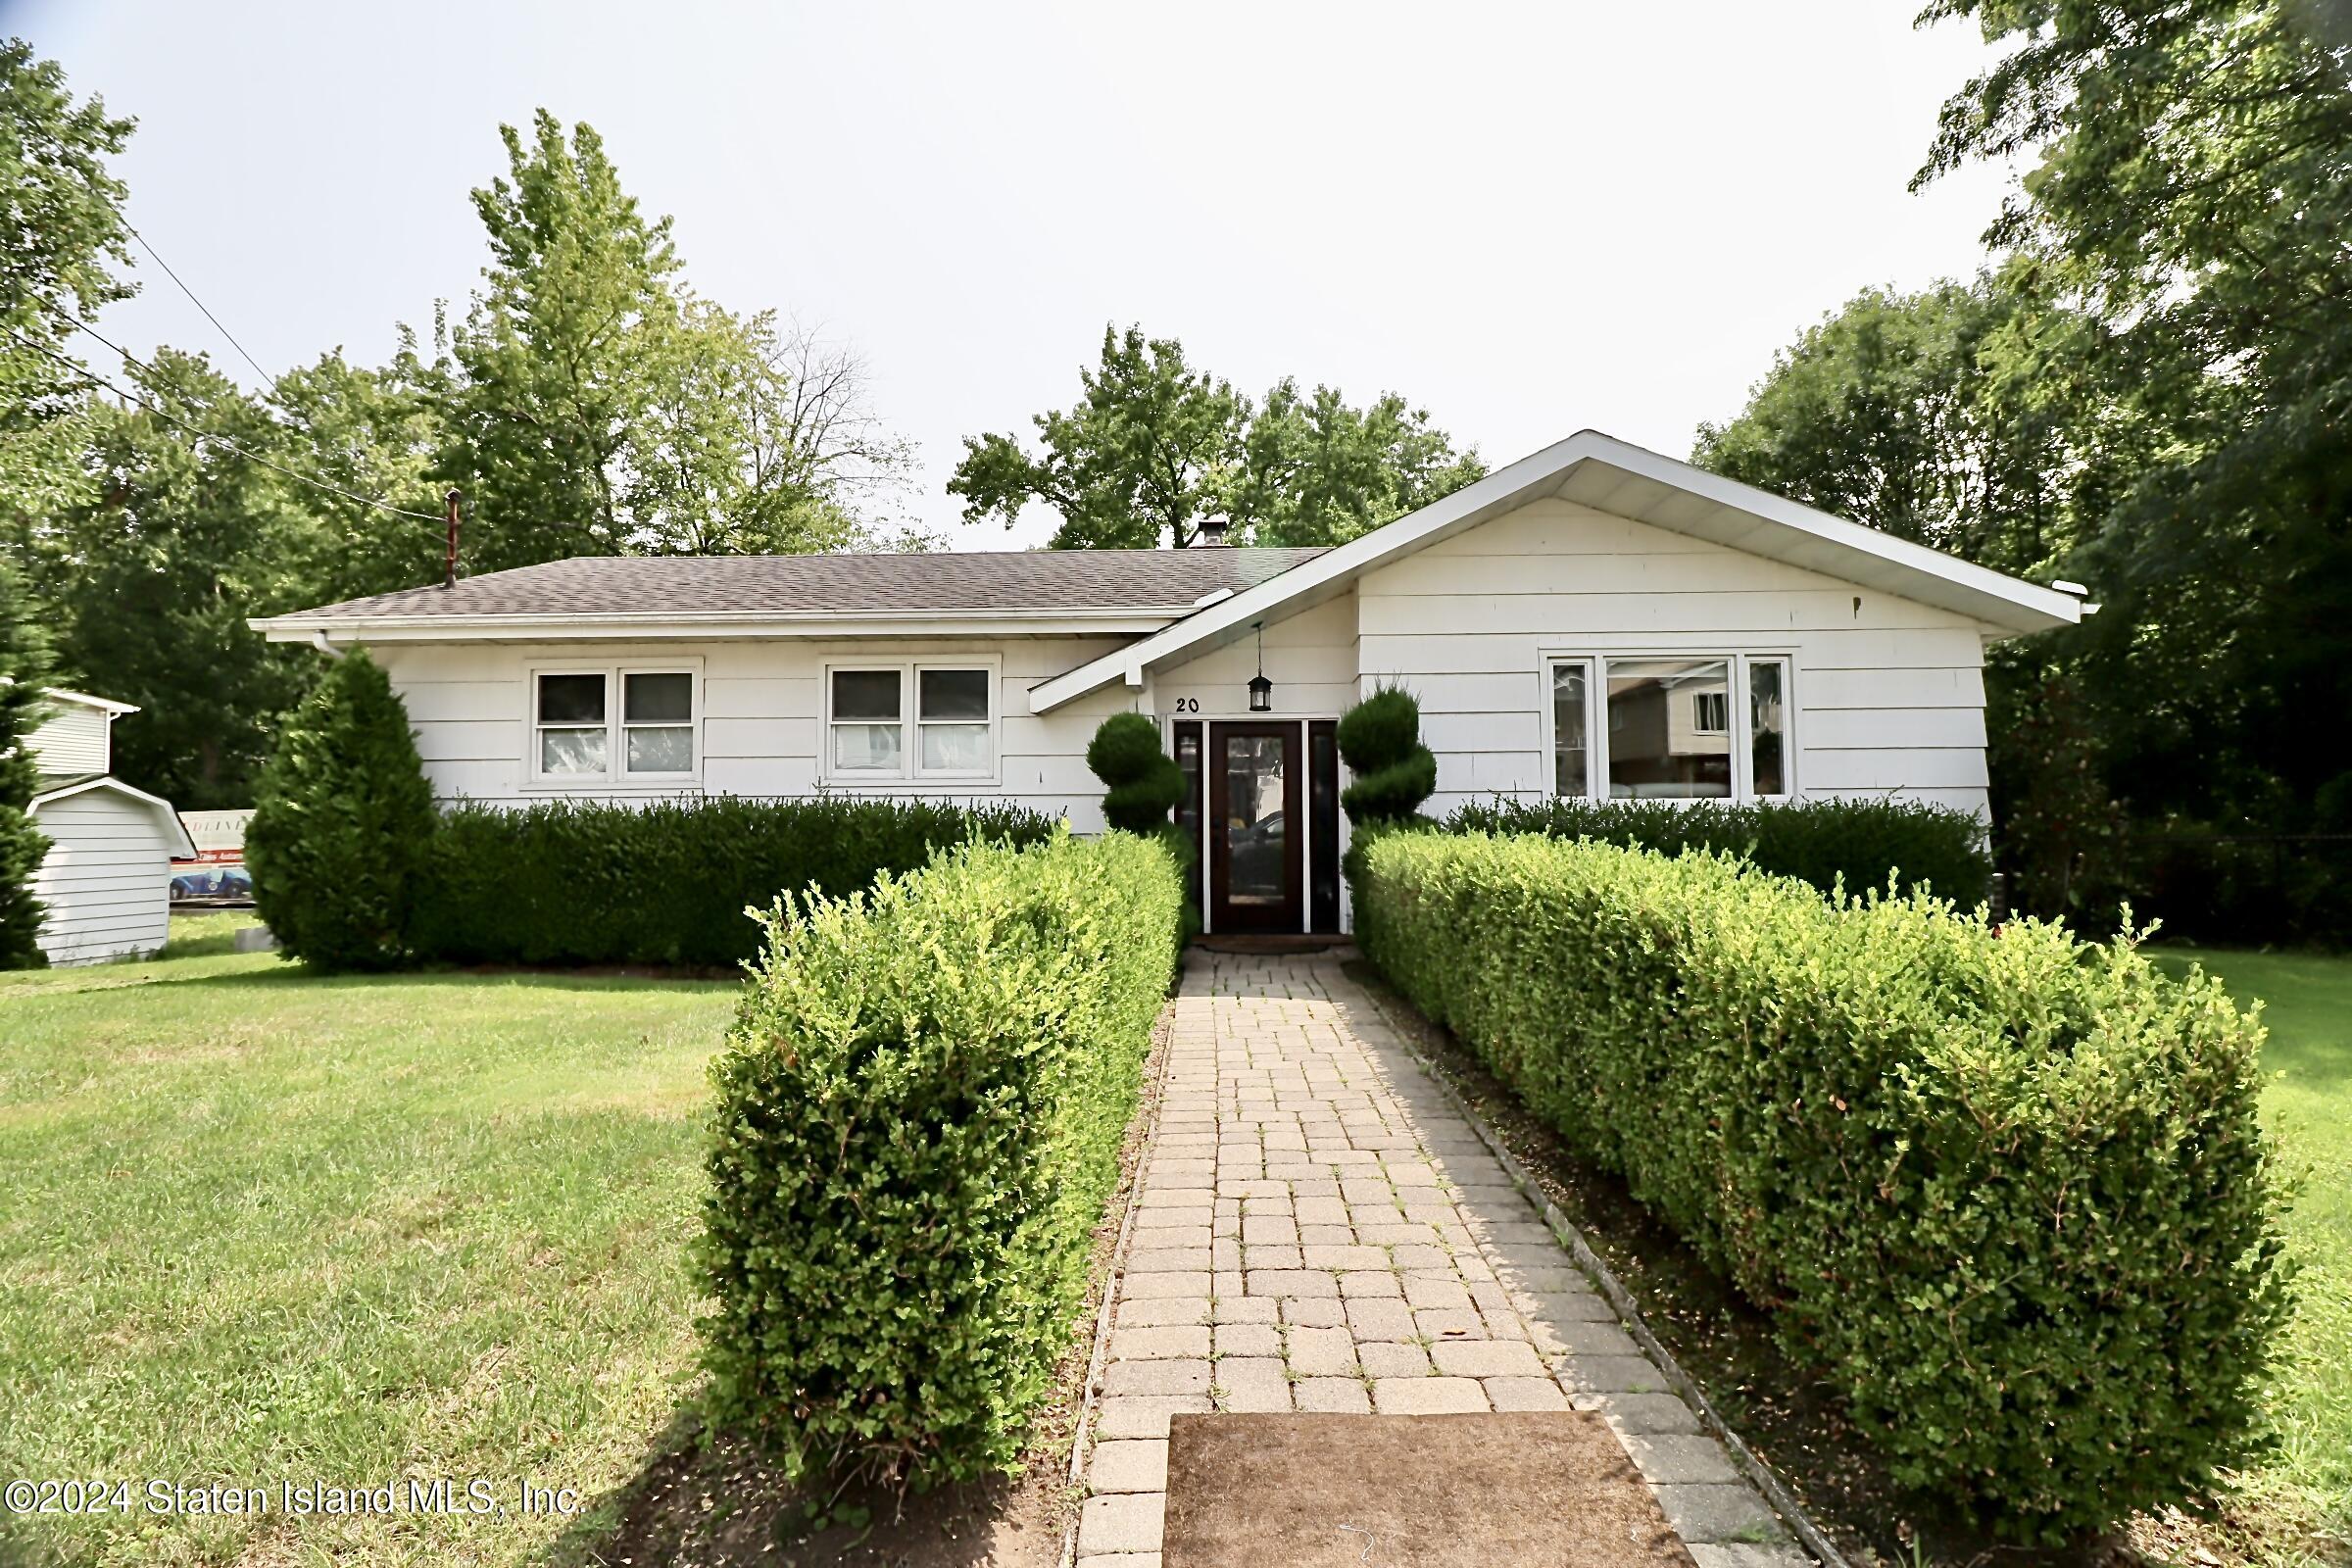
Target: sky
1527	219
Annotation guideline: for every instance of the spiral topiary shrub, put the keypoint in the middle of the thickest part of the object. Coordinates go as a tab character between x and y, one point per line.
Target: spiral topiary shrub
1380	741
1144	783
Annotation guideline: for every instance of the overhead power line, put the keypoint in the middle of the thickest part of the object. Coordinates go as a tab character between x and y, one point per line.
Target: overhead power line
169	417
149	248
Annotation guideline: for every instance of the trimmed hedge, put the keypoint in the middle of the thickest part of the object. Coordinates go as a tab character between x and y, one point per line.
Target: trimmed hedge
665	882
1938	848
919	1123
2004	1188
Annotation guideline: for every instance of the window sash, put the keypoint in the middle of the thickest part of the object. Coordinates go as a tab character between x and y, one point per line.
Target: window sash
610	747
1605	724
930	733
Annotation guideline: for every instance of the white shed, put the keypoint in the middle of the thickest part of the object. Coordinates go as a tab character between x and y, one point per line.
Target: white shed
106	878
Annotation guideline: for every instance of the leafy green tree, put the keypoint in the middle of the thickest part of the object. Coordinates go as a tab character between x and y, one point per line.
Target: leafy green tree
1953	417
1315	472
759	439
2194	189
597	407
23	675
370	432
342	823
556	362
1146	454
62	240
151	582
1154	448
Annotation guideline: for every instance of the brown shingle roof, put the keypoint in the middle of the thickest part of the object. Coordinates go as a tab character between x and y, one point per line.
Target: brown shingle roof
846	584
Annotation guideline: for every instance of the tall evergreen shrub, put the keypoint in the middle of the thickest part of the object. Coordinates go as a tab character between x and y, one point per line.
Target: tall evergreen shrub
25	663
341	825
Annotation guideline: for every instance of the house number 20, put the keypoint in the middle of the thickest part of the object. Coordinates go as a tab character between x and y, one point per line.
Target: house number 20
1188	705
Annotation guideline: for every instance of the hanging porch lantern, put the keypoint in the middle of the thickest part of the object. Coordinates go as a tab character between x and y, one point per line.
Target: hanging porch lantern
1261	690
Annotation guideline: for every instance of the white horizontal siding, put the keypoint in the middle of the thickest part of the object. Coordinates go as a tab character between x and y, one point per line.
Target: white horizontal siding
1310	657
1888	693
761	717
74	739
105	880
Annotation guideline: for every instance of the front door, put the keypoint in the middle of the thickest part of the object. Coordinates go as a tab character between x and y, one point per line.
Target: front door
1255	845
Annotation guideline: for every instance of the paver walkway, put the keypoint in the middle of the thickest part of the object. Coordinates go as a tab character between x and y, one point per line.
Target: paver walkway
1319	1229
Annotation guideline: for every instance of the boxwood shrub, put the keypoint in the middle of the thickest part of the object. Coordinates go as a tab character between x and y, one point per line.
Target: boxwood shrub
2004	1188
1820	842
918	1121
665	882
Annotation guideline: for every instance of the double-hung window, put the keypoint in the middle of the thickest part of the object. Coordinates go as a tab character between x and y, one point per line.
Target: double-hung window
915	722
1669	726
615	726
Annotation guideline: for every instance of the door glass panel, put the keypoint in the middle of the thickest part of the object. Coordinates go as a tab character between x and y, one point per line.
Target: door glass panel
1767	727
1661	746
1253	824
1569	774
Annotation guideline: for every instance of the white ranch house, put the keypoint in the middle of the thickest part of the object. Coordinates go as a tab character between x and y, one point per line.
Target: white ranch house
1594	619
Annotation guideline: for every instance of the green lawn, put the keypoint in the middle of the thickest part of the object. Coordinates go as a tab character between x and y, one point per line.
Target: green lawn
2308	1109
262	1225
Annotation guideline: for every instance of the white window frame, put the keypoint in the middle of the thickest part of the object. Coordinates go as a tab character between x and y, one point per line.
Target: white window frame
910	773
616	774
1737	703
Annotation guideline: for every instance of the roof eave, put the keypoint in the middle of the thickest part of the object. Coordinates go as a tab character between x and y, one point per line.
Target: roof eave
1128	621
2004	604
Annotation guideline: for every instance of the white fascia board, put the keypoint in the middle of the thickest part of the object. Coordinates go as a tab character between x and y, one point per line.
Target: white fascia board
1041	623
104	705
2008	604
183	847
1496	493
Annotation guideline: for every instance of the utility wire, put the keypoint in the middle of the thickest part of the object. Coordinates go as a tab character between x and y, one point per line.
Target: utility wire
199	304
169	418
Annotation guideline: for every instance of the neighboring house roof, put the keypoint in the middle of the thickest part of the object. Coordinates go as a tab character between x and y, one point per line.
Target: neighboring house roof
175	835
1161	584
104	705
1627	481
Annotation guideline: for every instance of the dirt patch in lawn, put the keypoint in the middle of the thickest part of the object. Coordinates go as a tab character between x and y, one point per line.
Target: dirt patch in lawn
712	1500
1435	1491
1795	1423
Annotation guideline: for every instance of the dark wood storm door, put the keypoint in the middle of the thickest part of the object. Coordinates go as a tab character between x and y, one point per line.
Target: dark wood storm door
1255	827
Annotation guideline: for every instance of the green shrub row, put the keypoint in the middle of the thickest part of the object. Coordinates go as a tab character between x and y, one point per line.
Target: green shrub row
2004	1188
664	882
918	1122
1822	842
